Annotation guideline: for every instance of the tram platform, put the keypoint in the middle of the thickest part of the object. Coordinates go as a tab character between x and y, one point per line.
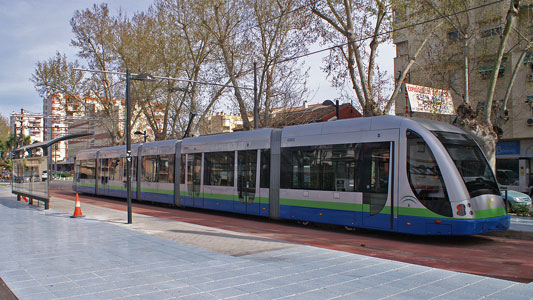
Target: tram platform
48	255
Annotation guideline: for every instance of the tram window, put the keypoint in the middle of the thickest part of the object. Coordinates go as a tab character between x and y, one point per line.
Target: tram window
166	168
326	168
219	168
182	171
91	167
373	167
149	168
87	169
83	171
104	170
470	162
265	169
425	177
115	169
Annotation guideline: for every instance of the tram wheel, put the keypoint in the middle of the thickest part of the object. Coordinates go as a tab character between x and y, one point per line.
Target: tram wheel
349	228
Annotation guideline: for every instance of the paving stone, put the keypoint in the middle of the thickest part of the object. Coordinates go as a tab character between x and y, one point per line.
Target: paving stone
100	258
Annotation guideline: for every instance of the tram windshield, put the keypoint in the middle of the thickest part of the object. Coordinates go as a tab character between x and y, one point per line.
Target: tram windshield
470	162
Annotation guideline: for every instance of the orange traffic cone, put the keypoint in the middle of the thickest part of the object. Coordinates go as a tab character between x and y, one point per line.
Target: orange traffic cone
77	209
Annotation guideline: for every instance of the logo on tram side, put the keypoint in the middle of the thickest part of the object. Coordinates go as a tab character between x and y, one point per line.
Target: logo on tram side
408	199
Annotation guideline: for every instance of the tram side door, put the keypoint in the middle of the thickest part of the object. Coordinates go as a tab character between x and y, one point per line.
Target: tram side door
376	183
103	184
247	200
194	178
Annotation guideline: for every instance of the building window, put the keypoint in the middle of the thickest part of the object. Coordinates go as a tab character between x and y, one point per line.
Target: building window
494	31
453	36
486	69
402	49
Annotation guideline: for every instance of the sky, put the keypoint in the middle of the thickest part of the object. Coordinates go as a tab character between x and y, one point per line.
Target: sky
34	30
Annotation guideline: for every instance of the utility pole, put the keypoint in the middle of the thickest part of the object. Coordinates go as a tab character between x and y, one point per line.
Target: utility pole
21	125
128	146
256	105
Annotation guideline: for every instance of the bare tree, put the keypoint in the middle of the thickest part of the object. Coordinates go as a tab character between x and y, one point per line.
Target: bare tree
360	27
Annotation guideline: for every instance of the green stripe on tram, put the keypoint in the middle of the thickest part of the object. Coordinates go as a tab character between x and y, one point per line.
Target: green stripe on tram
86	185
157	191
321	204
419	212
490	213
224	197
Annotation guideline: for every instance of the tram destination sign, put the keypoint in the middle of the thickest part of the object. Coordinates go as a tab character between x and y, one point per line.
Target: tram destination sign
429	100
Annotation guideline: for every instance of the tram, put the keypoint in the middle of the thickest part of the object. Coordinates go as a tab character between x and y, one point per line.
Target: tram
388	173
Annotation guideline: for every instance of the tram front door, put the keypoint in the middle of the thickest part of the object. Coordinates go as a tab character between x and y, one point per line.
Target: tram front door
194	175
376	184
247	198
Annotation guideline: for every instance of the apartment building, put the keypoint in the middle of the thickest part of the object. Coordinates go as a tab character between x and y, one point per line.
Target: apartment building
31	125
441	65
220	123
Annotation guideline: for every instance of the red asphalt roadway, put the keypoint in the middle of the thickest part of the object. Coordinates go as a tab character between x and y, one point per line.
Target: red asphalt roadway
485	255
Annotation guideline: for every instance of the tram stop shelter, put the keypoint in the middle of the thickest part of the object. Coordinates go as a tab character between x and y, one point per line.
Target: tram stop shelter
31	169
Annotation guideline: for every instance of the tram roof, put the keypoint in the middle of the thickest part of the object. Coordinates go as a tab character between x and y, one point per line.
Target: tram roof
437	126
117	151
343	126
242	140
159	147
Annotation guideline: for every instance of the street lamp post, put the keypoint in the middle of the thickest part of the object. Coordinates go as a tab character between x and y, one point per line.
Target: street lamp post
336	104
138	132
128	145
145	77
140	77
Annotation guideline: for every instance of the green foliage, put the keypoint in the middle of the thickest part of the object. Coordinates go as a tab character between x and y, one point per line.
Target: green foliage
521	210
196	41
63	175
6	146
4	128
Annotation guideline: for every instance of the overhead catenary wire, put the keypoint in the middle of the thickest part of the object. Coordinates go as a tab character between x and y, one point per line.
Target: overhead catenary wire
309	53
386	32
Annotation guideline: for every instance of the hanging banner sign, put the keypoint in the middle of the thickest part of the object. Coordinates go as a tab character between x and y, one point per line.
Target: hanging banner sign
429	100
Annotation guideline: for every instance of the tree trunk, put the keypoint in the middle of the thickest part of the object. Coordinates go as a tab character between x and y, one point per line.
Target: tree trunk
511	18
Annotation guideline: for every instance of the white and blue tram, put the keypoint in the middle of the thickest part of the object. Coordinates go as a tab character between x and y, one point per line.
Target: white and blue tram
387	173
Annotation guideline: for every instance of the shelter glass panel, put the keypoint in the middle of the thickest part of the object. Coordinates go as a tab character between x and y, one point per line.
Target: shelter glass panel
29	176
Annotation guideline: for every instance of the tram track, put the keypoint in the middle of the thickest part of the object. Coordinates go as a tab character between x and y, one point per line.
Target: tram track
498	256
